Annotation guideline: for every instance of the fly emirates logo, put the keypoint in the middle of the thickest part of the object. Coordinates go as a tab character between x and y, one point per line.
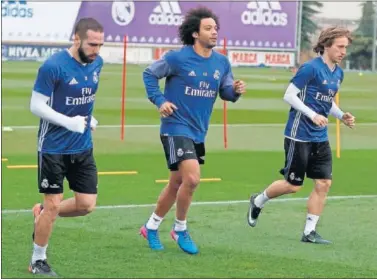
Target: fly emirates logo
326	98
203	91
86	98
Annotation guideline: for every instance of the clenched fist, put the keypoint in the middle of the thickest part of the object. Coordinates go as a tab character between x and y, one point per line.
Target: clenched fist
239	86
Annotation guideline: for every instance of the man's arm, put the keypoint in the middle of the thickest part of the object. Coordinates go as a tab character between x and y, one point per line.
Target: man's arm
298	83
336	111
227	92
43	88
292	99
151	75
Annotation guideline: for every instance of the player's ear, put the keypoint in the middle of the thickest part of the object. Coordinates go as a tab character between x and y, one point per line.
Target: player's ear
77	39
195	35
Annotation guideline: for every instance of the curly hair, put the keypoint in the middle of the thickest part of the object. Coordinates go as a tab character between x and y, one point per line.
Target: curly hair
191	23
327	37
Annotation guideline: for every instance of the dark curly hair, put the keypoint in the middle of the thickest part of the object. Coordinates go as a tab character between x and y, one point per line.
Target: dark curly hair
327	37
191	23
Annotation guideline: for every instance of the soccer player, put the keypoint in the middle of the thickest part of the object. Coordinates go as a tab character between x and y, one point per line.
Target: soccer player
63	97
311	95
195	75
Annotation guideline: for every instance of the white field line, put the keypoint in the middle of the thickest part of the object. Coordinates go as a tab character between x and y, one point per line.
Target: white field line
212	125
12	211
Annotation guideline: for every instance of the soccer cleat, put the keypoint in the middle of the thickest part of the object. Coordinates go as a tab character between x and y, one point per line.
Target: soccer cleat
37	209
253	212
41	267
184	241
314	237
153	238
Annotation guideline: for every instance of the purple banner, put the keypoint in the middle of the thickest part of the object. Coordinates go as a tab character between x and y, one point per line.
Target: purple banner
253	24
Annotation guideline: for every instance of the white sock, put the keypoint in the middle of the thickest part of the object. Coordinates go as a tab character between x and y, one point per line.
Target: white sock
180	226
154	222
261	199
311	223
39	253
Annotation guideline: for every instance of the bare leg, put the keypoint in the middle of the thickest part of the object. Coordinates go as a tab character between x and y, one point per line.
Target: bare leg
165	201
190	172
80	205
316	203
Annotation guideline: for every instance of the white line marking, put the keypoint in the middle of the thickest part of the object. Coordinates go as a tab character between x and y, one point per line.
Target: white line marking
212	125
11	211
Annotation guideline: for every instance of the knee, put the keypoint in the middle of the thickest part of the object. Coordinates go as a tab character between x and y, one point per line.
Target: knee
192	180
51	207
292	188
322	186
86	207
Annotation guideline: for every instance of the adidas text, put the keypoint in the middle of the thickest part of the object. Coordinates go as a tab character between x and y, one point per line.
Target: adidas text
264	13
166	13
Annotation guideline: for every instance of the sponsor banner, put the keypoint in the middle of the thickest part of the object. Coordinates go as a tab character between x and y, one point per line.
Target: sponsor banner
29	52
114	54
161	51
29	21
255	58
23	52
253	24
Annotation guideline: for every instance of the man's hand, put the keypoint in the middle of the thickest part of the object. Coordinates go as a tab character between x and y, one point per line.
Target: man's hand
78	124
239	86
167	109
348	120
93	123
320	120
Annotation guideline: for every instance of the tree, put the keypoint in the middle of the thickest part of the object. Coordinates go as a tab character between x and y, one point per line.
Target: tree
365	27
308	25
360	52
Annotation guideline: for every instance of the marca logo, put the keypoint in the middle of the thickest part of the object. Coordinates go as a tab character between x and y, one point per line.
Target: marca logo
264	13
16	9
166	13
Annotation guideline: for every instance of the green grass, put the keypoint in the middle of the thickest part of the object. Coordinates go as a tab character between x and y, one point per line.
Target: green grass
106	243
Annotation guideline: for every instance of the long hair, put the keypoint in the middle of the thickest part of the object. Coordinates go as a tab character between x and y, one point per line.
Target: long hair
191	23
327	37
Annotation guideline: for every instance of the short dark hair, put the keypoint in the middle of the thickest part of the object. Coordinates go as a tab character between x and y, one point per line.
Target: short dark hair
191	23
327	37
85	24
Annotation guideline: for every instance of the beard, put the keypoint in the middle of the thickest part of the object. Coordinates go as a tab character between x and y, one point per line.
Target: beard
83	57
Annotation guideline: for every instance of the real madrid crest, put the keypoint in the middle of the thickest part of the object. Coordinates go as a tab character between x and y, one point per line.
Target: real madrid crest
95	77
216	75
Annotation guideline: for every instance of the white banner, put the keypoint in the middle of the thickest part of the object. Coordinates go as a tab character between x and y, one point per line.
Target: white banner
256	58
114	54
24	21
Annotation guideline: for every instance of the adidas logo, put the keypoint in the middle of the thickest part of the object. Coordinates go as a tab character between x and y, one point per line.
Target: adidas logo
73	82
166	13
192	74
264	13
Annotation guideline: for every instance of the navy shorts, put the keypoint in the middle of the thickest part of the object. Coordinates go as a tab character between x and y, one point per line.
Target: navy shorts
79	169
179	148
313	159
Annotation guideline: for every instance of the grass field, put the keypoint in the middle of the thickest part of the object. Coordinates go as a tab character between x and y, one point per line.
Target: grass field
106	243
